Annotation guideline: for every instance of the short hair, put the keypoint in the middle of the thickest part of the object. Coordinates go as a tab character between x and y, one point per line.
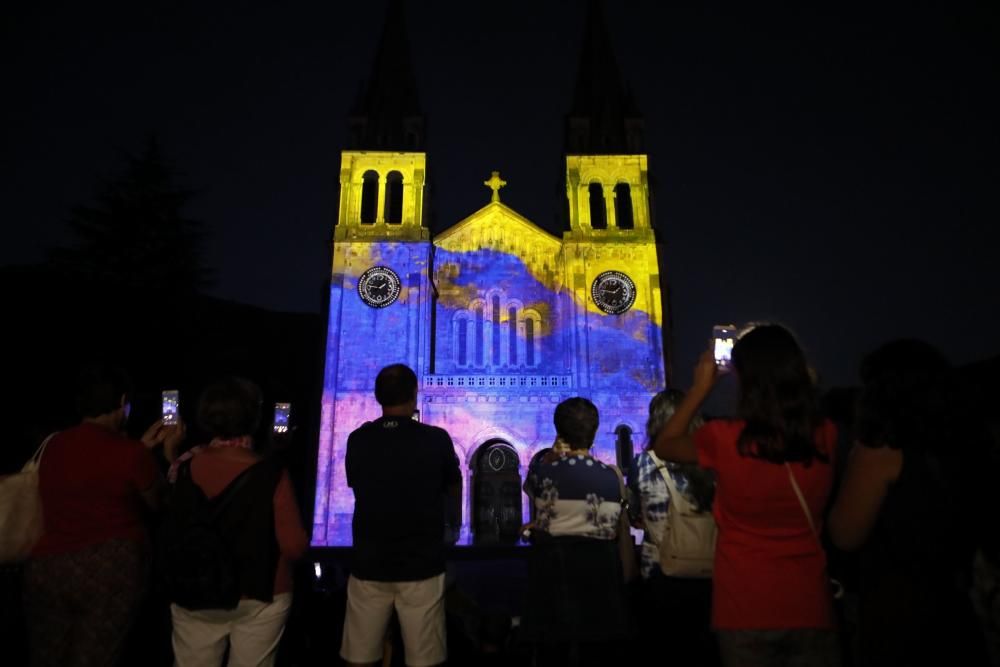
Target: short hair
661	408
576	421
395	385
700	488
230	408
100	388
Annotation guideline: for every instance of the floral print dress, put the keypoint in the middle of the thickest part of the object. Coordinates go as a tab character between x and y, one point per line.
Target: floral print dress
575	495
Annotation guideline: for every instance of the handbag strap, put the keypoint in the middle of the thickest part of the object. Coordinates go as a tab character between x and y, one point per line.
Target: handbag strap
838	588
677	499
623	493
36	458
802	502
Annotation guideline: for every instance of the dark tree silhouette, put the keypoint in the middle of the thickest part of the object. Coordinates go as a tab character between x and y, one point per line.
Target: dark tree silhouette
135	237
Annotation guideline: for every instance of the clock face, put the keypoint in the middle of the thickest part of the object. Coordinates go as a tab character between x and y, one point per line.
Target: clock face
379	286
613	292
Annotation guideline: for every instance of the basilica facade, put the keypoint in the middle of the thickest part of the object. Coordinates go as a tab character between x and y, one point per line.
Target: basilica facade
499	318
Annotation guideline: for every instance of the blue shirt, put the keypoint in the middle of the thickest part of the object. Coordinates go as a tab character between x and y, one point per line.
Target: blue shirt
650	499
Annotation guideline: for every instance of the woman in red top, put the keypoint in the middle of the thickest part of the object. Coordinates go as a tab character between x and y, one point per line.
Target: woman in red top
84	582
229	411
771	601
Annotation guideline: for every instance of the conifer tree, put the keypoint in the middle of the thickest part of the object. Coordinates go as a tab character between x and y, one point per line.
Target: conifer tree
135	237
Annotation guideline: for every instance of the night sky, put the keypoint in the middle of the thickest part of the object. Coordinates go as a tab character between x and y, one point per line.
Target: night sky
834	169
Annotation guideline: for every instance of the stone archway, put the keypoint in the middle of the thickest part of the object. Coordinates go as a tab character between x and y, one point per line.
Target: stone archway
496	493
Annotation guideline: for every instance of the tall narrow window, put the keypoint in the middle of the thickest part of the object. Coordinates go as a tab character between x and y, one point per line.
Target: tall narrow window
623	206
463	342
598	211
496	330
512	330
369	197
479	336
529	342
394	198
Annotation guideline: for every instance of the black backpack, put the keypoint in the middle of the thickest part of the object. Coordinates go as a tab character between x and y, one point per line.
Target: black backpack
197	565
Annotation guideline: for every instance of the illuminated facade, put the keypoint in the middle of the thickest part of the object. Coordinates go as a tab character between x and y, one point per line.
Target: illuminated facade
500	319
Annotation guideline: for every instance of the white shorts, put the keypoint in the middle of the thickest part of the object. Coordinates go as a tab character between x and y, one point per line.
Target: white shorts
420	608
252	632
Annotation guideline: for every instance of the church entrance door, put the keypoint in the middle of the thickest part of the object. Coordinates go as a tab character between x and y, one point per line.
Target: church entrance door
496	493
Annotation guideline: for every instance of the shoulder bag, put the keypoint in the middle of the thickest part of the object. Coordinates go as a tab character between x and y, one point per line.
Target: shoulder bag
687	546
21	523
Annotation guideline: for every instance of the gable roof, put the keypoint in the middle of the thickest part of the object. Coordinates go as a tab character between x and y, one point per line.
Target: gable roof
496	226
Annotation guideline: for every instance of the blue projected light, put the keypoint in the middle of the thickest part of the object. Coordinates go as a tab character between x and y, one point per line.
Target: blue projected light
500	321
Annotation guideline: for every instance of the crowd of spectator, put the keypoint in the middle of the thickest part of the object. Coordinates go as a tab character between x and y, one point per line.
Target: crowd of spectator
745	525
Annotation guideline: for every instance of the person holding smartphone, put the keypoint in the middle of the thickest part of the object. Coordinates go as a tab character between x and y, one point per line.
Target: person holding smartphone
261	529
771	597
86	577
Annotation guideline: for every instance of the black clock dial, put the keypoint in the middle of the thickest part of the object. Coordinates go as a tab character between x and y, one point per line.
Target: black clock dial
613	292
379	286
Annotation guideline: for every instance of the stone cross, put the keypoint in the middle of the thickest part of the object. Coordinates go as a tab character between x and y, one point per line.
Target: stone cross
495	183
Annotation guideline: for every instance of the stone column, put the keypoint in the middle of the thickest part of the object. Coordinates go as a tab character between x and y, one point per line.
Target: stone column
609	204
382	185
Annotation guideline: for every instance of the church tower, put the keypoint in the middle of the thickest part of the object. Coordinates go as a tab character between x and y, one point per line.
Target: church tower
379	287
610	250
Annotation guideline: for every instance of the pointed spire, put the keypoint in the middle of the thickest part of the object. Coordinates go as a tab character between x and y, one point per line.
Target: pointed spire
604	117
387	114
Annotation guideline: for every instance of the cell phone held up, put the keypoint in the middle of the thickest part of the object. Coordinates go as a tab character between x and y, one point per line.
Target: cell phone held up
282	411
170	401
723	340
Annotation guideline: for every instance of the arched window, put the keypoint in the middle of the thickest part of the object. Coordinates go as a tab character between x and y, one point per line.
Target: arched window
512	330
529	341
496	329
598	211
479	336
394	198
623	446
623	206
369	197
463	342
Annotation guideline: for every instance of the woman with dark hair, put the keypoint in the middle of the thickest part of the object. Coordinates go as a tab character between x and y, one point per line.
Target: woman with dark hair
771	599
84	583
261	526
683	603
911	502
576	607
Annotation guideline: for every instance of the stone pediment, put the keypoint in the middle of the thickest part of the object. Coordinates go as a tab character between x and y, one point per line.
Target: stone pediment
498	227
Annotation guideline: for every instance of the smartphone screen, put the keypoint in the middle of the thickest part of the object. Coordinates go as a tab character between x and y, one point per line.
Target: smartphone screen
723	339
171	405
281	412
